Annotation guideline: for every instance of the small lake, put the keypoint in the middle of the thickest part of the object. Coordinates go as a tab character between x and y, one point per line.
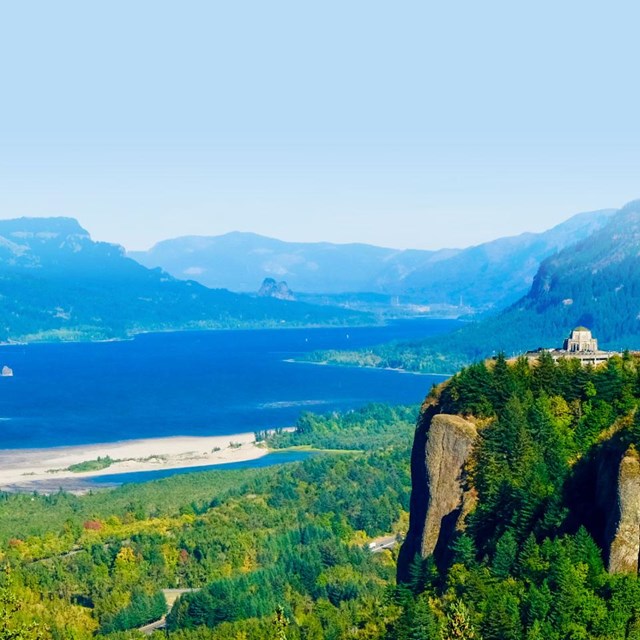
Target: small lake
193	383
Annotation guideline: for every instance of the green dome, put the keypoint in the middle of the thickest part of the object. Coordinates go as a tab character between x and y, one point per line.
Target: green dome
581	329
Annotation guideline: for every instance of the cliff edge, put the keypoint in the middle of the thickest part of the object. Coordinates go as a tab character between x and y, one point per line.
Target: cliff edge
624	517
442	446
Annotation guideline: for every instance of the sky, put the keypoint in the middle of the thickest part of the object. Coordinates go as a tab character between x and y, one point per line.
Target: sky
404	124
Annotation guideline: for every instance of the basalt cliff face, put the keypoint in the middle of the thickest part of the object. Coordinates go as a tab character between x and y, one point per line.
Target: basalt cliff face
625	541
602	494
525	504
617	500
439	500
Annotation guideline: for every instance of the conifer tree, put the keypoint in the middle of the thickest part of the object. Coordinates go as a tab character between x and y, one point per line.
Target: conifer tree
505	556
544	378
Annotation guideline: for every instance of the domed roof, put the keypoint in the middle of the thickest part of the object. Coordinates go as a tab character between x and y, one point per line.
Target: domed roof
582	329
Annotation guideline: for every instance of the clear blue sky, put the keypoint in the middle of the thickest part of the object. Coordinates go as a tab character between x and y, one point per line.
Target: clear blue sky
408	124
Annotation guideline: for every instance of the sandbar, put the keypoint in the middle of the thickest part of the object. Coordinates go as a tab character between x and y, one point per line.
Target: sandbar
30	469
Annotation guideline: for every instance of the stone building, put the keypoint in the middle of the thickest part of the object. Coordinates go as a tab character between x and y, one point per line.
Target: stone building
580	345
580	341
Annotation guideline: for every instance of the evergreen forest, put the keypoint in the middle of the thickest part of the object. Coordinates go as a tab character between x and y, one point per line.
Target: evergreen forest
290	551
530	561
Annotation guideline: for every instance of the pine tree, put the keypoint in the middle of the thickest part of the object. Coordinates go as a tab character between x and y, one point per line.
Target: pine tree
505	556
502	618
464	551
424	623
544	377
502	384
530	564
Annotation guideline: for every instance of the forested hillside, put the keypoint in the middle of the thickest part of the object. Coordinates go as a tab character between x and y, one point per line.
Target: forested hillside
487	276
58	284
595	283
251	543
543	492
494	274
535	549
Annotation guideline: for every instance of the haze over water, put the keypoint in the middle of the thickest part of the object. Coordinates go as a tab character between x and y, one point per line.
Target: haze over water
192	383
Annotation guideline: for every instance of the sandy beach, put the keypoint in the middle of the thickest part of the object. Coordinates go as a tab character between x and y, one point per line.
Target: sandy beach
36	469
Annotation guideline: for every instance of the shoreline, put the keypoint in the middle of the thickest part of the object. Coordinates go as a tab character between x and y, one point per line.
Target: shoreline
132	336
26	469
329	363
257	327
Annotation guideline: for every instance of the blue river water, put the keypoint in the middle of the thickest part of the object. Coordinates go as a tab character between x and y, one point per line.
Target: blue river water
192	383
271	459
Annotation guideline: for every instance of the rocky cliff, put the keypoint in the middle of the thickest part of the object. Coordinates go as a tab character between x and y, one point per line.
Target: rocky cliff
622	509
625	543
442	446
602	491
525	503
603	494
278	290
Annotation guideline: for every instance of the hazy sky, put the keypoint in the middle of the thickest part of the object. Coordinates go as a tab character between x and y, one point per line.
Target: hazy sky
408	124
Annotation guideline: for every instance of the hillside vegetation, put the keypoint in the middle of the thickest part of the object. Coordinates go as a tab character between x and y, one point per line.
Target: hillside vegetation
290	539
488	276
58	284
595	283
284	552
529	559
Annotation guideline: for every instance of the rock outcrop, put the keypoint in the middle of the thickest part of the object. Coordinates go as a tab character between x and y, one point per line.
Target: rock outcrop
272	289
604	496
442	446
624	517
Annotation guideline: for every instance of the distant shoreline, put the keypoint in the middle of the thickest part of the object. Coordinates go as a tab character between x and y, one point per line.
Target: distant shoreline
247	327
127	338
27	469
328	363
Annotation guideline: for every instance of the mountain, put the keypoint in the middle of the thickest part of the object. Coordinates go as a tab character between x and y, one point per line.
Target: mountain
57	283
595	282
497	273
239	261
486	276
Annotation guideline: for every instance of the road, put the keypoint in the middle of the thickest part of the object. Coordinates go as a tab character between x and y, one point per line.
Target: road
148	629
380	544
170	595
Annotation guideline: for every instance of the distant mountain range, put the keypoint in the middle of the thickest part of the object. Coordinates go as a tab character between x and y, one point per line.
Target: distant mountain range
58	284
241	261
594	282
490	275
497	273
